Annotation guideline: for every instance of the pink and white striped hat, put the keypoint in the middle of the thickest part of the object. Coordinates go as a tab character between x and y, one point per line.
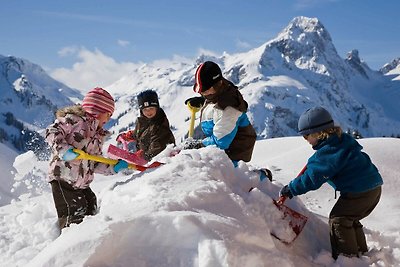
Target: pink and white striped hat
98	101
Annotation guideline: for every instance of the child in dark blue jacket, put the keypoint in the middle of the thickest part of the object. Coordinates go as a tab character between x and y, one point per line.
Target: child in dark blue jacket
339	161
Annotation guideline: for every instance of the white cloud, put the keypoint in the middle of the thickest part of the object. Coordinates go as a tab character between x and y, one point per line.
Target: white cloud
123	43
68	51
202	51
93	68
242	45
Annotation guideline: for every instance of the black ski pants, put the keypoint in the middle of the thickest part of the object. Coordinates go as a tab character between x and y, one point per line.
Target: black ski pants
346	232
72	204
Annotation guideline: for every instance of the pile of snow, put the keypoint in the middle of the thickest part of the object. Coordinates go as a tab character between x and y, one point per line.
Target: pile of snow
7	157
196	211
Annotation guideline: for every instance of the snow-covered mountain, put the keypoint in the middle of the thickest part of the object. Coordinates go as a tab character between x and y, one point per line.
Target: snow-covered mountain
298	69
280	79
28	100
392	69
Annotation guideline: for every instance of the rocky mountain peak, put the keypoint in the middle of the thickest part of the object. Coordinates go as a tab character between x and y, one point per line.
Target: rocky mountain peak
304	29
354	56
353	59
394	64
304	40
304	24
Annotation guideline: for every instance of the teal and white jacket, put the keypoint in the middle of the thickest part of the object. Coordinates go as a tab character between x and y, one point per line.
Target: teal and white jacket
226	125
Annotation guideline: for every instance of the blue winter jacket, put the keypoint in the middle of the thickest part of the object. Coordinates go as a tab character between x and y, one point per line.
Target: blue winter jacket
340	162
226	125
228	129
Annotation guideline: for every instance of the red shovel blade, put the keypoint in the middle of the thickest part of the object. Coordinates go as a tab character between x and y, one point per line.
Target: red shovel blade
153	165
297	221
139	162
119	153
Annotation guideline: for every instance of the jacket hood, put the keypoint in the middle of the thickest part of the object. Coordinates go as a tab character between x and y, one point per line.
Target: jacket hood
76	110
230	96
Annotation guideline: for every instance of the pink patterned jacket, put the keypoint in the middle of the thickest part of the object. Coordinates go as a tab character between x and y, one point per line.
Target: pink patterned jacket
74	128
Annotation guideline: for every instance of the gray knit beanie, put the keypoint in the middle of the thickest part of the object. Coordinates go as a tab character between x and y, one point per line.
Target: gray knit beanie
314	120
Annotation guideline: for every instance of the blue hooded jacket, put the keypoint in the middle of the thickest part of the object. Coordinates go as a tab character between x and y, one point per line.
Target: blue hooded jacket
340	162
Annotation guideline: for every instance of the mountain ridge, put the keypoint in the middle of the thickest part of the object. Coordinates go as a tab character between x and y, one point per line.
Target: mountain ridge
29	97
297	69
280	79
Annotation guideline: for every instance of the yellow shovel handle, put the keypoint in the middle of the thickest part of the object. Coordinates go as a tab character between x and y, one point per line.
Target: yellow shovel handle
84	155
193	111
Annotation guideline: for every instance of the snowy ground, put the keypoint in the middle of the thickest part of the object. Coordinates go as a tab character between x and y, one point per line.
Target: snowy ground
196	211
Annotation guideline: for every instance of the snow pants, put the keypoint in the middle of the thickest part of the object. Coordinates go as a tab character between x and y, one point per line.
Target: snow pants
72	204
346	232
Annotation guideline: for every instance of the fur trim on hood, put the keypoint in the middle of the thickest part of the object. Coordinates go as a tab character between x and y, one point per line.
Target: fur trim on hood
76	110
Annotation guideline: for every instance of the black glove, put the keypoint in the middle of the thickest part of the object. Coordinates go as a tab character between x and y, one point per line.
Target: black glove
265	173
196	101
285	192
192	144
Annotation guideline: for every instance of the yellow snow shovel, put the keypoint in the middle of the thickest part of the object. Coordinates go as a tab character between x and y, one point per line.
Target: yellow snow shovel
84	155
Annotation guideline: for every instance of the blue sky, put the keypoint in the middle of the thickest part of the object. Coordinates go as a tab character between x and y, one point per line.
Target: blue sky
58	35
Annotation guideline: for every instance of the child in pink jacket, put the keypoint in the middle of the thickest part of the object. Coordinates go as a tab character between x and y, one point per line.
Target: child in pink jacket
81	127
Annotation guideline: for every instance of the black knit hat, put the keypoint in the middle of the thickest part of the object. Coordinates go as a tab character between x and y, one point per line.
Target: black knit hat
207	74
148	98
314	120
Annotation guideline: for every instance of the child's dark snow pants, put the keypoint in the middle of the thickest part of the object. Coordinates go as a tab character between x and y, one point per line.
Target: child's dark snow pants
346	233
72	204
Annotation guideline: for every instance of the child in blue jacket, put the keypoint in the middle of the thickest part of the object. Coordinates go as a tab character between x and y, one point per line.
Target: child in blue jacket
339	161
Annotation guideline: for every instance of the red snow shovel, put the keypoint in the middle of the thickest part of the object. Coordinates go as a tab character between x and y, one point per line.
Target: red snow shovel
115	152
297	221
